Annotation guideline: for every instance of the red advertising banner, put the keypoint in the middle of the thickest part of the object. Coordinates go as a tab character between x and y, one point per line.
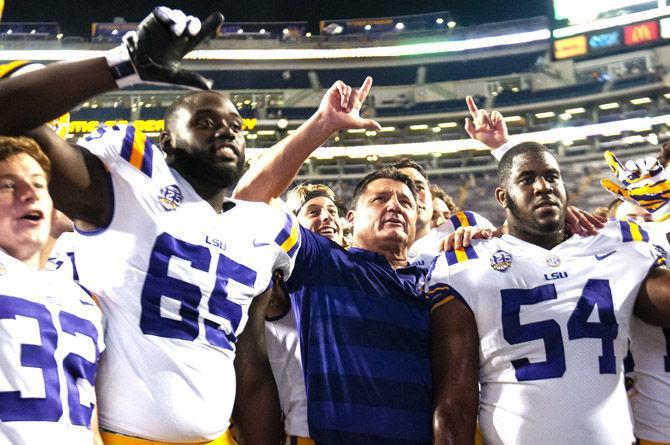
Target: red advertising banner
640	33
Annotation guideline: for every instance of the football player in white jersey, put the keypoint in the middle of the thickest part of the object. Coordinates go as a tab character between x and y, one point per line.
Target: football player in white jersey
539	321
649	345
50	329
174	263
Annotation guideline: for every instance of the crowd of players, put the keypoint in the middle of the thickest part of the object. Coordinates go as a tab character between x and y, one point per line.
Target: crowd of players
176	310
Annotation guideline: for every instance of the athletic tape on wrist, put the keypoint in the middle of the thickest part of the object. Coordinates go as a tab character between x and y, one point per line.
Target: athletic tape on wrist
123	71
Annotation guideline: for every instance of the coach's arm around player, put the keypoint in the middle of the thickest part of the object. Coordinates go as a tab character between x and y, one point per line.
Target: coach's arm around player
149	55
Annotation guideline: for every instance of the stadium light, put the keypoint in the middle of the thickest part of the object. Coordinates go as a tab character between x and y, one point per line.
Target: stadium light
400	26
387	129
447	125
555	135
451	24
448	46
512	118
575	110
240	31
545	114
368	27
418	127
640	101
439	20
609	106
265	132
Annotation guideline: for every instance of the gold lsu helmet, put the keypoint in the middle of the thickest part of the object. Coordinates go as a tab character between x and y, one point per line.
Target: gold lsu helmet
60	125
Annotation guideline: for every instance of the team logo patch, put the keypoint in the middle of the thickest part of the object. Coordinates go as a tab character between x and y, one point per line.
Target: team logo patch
553	261
3	270
501	261
170	197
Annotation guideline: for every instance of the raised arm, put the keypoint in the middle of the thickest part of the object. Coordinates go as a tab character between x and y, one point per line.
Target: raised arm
79	180
454	361
270	175
150	54
50	92
488	128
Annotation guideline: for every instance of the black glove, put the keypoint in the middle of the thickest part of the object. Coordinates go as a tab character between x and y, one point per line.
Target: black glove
154	51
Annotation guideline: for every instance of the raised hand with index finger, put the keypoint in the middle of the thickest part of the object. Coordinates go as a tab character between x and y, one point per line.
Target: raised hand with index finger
341	107
487	128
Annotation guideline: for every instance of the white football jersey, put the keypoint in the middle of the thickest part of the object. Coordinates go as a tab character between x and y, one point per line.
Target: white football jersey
283	345
650	347
175	280
50	341
553	328
425	249
61	258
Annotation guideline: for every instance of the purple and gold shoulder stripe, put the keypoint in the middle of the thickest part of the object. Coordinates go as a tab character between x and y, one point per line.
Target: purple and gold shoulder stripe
463	219
460	255
289	237
632	231
137	150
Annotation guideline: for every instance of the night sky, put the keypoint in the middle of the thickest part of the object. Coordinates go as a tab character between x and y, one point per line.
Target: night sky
76	17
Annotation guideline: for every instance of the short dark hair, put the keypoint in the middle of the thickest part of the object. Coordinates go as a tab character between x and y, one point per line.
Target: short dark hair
384	173
505	164
171	111
409	163
12	146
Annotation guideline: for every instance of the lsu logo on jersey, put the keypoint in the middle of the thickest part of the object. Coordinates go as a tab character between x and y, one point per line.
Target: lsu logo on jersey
170	197
501	260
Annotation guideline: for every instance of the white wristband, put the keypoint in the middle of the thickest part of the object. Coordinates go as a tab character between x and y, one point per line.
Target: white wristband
500	151
123	71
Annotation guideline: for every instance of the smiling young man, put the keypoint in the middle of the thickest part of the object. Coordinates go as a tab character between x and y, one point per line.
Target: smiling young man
539	321
50	329
316	208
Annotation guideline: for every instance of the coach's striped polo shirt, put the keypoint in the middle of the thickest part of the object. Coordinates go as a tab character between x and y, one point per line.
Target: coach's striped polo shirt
364	339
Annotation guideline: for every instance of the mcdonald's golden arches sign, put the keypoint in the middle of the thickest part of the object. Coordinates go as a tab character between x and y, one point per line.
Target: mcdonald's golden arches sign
640	33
